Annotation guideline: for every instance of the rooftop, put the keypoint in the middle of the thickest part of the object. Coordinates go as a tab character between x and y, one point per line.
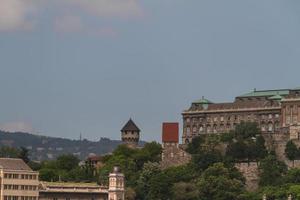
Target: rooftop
170	132
130	126
263	93
14	164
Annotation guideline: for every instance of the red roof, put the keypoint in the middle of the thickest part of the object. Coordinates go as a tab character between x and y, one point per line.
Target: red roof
170	132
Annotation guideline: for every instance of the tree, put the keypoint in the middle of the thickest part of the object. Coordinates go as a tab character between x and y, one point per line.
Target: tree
48	175
185	191
143	183
130	194
23	154
271	171
67	162
204	160
291	150
237	150
8	152
246	130
218	183
292	176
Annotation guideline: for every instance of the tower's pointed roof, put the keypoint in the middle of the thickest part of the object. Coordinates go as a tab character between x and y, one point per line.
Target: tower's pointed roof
130	126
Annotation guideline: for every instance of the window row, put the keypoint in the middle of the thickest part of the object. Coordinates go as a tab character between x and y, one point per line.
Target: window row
20	176
231	118
20	187
222	127
19	198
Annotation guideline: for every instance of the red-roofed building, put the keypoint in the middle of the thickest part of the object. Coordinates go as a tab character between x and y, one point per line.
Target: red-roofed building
170	132
173	154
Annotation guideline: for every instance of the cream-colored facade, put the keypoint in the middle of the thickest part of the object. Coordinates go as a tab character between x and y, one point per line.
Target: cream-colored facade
18	181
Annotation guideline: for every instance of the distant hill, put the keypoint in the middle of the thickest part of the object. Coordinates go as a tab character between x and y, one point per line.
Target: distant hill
47	148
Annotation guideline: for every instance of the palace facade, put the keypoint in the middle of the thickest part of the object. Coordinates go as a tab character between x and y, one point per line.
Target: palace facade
275	111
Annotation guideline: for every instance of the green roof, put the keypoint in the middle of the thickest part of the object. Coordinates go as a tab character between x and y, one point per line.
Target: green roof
262	93
276	97
203	101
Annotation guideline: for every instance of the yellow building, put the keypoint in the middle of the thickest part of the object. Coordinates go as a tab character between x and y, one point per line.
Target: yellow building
17	180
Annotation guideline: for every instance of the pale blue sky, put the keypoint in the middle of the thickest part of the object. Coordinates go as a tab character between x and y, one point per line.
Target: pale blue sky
71	66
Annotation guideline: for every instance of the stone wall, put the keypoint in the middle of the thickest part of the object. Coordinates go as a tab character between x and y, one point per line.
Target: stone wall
173	154
251	173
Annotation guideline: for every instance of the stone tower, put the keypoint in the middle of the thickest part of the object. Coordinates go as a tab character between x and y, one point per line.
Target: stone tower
130	134
116	190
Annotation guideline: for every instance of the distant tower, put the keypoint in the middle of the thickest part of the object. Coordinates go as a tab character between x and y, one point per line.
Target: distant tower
130	134
116	189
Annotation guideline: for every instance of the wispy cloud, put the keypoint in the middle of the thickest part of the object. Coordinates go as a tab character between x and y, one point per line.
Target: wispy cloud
14	15
109	8
16	127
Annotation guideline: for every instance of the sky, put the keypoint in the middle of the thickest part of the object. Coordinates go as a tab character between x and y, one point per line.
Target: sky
71	67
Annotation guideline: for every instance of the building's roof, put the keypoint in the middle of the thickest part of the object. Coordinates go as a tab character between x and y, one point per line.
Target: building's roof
297	88
276	97
266	93
237	105
130	126
13	164
170	132
69	184
203	101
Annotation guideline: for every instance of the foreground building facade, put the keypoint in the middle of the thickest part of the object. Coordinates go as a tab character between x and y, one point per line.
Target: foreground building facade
17	180
275	111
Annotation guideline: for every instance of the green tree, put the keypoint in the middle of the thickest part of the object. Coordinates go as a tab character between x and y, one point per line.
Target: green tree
185	191
291	150
159	187
143	183
24	154
246	130
130	194
67	162
292	176
48	175
218	183
8	152
271	171
237	150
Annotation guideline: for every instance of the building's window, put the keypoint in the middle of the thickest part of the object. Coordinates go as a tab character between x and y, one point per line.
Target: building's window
295	119
201	129
188	130
288	120
215	128
215	119
276	115
222	118
187	120
228	126
194	129
270	127
208	128
172	155
270	116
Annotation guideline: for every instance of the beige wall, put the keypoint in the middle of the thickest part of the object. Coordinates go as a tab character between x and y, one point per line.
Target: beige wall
19	184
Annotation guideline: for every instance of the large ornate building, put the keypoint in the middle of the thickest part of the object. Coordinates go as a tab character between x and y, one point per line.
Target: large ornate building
275	111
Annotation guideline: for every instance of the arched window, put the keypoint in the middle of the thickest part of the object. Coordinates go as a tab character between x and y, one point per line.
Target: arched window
215	128
188	130
201	129
270	127
194	129
208	128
